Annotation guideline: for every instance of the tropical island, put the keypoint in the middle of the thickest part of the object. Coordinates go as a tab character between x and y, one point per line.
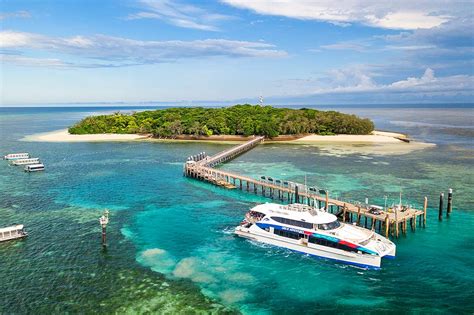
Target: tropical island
236	123
239	120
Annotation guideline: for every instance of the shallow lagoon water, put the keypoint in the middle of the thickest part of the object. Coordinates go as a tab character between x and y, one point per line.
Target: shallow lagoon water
171	243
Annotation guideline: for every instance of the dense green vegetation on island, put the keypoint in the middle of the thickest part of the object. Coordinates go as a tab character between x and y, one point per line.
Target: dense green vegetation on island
243	120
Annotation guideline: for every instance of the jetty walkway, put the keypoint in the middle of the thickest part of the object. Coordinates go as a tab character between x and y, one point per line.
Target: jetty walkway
202	167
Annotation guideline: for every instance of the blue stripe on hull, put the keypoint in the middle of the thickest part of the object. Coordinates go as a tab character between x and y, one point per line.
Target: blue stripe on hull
389	257
326	237
323	257
338	260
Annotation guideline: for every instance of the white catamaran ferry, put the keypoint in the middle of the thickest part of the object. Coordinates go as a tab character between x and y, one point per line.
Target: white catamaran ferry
315	232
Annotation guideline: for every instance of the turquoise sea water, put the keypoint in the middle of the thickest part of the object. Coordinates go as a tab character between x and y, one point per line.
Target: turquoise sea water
171	247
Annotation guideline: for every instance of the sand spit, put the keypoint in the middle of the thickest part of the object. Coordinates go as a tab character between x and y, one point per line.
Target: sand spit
375	137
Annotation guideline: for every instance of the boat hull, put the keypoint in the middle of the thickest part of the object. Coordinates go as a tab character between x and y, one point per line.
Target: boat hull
16	237
361	260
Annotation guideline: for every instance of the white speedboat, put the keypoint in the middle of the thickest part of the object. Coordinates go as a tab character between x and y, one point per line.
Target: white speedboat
315	232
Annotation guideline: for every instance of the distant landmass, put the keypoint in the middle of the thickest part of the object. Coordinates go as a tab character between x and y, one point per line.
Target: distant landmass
239	120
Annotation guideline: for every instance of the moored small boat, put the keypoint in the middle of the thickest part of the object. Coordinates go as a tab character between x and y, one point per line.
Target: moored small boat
14	156
26	161
12	232
34	168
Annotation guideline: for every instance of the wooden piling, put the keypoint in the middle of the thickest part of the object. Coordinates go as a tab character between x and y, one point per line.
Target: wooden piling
450	202
386	225
344	213
327	200
358	215
440	213
425	208
104	237
397	227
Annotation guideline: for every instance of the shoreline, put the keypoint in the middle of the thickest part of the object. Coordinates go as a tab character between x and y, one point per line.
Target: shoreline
64	136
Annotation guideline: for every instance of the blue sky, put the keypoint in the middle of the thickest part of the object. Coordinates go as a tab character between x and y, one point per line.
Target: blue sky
186	52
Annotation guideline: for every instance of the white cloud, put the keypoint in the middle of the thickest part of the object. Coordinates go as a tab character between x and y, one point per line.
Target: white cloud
360	84
409	47
371	45
32	62
181	15
17	14
118	51
402	14
346	45
349	81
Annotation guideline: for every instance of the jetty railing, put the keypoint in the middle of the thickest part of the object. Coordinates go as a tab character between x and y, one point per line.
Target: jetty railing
231	153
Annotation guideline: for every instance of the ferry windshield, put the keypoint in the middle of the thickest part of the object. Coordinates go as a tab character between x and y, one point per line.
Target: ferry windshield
256	215
329	226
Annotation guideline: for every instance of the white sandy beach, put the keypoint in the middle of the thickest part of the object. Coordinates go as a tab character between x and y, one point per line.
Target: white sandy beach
378	143
64	136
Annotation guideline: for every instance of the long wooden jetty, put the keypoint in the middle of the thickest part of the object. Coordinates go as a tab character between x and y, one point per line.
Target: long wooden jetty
393	222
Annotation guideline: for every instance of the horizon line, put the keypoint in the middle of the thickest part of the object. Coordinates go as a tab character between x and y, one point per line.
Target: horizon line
214	104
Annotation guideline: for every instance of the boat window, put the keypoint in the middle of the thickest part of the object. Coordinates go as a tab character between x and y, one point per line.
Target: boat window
329	226
289	234
257	215
306	225
324	242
